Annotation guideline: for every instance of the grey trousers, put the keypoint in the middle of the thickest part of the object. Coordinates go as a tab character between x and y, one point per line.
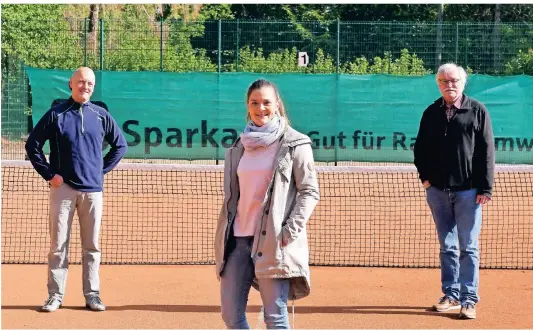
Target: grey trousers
64	200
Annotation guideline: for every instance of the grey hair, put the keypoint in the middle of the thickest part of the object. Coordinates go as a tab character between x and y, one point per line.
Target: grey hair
451	67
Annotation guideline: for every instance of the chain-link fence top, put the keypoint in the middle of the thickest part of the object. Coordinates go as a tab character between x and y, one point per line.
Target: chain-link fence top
270	46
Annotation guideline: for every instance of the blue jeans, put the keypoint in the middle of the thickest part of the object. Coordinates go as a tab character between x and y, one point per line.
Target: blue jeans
235	284
457	217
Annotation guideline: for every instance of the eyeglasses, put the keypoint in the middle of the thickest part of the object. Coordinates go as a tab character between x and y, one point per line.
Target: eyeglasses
446	81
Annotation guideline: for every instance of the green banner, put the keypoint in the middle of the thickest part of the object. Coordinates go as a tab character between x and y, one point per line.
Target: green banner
367	118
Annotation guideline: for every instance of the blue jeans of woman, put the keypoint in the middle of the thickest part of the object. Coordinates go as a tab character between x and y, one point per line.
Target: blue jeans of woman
235	283
457	218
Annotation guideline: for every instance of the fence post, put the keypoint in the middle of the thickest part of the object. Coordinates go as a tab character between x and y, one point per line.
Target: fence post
337	78
456	41
237	50
313	52
219	43
28	102
161	45
101	44
389	47
338	44
466	49
218	81
85	41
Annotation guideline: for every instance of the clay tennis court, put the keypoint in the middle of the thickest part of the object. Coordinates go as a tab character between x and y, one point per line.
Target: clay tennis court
154	217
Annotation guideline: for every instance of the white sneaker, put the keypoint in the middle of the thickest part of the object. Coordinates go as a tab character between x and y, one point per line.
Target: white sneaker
52	304
94	303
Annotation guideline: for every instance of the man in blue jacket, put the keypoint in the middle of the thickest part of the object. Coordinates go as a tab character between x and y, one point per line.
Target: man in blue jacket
75	130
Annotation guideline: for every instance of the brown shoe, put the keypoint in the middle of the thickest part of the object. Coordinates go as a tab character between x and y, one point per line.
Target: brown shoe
468	311
445	304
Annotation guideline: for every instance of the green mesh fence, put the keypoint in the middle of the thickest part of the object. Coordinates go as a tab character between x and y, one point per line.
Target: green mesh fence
398	48
15	107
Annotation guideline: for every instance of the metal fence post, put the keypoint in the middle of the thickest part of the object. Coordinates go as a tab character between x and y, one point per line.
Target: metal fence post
219	43
313	52
237	49
466	49
101	44
218	81
161	45
85	42
24	80
456	41
389	47
338	45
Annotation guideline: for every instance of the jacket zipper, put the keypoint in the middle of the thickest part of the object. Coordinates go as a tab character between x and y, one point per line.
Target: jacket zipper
82	124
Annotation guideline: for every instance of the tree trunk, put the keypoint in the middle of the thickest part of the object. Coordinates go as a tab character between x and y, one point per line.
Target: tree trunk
93	27
496	49
438	47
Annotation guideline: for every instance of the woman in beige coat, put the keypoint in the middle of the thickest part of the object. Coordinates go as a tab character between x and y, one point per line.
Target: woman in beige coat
270	191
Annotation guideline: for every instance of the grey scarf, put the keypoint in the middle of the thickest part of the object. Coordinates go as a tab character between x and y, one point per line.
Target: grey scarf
254	136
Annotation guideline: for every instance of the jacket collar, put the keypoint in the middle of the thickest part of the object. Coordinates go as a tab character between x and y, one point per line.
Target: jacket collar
466	103
77	105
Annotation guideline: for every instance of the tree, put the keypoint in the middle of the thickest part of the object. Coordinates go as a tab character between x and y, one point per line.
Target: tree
35	34
93	27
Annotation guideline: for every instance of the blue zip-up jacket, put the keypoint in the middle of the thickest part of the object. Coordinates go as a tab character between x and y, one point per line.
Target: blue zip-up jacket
76	133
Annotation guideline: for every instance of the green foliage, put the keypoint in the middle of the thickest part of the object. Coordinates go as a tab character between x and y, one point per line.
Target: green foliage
46	36
182	56
218	11
144	54
287	61
40	36
281	61
383	12
521	63
323	63
359	66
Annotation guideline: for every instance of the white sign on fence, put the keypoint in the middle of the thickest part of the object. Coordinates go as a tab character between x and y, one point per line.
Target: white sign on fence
303	59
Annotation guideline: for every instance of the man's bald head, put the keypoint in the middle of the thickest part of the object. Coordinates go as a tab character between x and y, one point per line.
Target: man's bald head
82	84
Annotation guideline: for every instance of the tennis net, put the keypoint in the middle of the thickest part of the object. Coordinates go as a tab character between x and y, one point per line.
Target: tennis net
367	216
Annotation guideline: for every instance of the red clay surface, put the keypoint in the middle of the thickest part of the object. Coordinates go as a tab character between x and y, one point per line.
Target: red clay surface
372	219
163	297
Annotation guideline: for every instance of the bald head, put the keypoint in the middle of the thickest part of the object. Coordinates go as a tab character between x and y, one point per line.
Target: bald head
82	84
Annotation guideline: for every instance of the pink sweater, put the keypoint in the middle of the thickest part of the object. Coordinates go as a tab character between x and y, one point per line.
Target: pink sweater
254	172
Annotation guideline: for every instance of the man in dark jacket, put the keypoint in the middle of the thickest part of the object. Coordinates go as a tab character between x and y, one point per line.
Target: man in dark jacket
454	155
75	130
